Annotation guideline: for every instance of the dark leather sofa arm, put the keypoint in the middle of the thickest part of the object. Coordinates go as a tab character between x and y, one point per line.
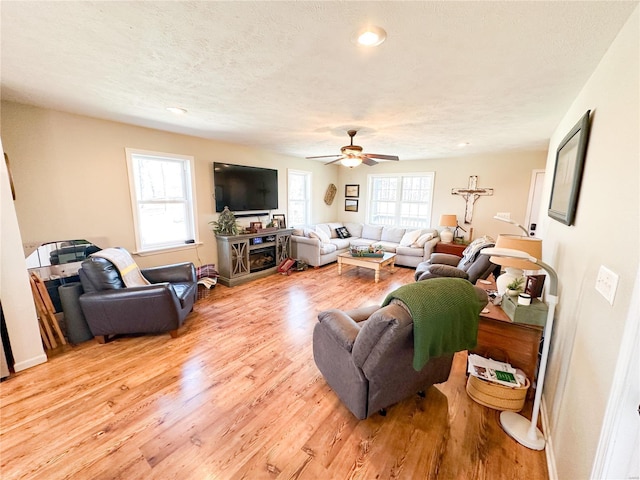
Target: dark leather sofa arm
150	308
178	272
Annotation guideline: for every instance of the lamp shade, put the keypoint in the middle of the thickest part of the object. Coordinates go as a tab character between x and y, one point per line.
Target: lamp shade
448	221
532	246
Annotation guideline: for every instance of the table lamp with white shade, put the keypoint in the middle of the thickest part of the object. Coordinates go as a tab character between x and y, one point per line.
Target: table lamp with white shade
518	427
514	267
446	235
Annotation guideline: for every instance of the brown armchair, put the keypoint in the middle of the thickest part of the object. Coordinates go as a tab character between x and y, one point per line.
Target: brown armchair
367	355
111	308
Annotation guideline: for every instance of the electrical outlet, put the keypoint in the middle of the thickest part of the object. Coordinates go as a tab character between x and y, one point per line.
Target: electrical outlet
607	283
505	215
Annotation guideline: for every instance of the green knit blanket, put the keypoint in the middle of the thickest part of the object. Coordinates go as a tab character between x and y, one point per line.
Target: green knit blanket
445	314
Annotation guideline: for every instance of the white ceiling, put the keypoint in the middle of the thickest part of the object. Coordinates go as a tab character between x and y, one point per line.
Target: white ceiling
286	77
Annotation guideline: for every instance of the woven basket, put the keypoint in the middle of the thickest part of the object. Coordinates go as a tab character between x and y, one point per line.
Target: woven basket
497	396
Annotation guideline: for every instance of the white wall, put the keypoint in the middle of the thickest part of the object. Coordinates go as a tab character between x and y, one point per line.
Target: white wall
588	330
15	290
70	173
509	174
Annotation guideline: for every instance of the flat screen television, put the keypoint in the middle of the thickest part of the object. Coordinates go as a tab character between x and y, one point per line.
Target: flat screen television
242	188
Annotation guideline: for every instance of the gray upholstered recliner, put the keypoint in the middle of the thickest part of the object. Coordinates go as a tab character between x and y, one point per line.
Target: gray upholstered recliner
111	308
367	355
472	266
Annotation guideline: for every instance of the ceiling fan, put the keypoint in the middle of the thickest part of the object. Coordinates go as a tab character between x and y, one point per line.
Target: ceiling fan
351	155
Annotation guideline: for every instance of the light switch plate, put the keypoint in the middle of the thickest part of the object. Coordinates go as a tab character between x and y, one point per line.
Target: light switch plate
607	283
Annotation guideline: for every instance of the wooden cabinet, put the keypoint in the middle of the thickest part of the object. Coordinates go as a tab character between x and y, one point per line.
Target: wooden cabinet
242	258
451	248
502	339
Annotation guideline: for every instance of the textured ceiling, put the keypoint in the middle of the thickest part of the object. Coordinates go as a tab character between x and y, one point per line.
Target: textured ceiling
285	76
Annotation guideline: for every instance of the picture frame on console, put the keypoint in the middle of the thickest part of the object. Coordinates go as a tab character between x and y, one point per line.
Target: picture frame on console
280	220
567	174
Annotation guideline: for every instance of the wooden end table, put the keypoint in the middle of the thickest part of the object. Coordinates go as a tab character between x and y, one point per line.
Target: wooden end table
451	248
374	263
499	336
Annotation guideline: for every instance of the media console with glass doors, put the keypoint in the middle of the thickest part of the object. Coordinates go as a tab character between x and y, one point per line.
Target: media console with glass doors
243	258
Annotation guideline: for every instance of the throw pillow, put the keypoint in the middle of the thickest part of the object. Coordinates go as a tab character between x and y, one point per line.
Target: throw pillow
342	232
409	238
422	239
322	235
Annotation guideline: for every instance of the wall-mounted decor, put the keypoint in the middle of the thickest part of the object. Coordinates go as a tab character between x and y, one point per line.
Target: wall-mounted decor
352	191
282	222
470	195
567	174
330	194
350	205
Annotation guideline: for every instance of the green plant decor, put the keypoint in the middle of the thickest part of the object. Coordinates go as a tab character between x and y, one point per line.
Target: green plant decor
226	223
516	285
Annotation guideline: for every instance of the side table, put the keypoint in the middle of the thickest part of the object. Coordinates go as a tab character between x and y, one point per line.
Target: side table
500	337
451	248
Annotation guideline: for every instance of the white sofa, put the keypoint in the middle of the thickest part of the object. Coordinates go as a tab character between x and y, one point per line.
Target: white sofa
320	244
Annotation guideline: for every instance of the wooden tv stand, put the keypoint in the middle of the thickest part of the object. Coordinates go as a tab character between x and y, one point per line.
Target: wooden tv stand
243	258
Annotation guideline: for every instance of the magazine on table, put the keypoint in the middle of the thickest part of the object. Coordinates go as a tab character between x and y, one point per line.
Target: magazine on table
493	371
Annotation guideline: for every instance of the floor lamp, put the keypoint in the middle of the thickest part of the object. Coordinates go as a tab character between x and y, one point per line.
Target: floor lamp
524	432
507	220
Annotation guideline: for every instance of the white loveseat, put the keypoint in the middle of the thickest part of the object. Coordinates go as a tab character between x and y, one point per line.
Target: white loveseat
320	244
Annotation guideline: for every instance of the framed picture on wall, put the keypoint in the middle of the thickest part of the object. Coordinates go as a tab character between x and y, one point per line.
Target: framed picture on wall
567	174
350	205
352	191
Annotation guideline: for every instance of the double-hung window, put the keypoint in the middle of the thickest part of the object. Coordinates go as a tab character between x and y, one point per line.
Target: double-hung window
162	197
401	200
299	197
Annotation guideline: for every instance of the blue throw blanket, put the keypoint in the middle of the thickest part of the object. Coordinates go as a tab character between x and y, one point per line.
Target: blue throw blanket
445	314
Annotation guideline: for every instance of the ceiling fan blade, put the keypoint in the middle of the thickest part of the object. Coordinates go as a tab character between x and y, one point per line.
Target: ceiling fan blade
382	157
336	160
368	161
324	156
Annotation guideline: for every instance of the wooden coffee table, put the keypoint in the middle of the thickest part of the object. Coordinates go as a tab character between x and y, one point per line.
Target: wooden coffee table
374	263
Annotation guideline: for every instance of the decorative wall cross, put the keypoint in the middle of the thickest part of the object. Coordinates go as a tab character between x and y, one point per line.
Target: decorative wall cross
470	195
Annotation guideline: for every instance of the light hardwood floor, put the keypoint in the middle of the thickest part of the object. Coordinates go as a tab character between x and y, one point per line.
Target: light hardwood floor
237	395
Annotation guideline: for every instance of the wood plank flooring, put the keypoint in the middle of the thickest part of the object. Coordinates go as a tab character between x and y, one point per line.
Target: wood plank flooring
237	396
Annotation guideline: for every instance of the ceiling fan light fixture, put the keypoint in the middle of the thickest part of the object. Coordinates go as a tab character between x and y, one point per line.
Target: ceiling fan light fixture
351	161
370	36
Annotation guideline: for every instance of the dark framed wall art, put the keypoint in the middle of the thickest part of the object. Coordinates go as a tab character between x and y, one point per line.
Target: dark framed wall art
352	191
350	205
567	174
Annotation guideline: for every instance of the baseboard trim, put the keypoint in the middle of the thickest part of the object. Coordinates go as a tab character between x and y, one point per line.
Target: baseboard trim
551	458
30	362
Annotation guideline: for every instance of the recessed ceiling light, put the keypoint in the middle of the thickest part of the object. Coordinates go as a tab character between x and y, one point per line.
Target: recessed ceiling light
370	36
463	144
177	110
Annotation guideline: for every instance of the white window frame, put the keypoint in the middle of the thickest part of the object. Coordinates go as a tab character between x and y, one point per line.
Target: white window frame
188	167
398	220
307	200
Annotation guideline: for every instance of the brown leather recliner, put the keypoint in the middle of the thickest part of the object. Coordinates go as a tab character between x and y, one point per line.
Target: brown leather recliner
110	308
